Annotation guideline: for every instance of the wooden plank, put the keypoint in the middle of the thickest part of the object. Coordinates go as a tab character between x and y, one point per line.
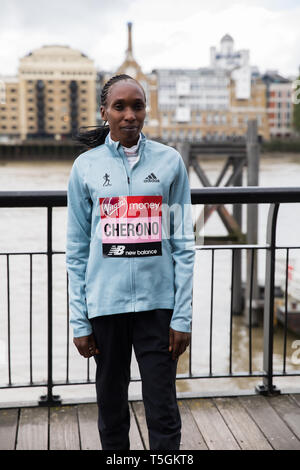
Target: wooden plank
33	429
139	411
136	442
64	433
88	427
8	428
191	437
274	428
288	410
296	397
244	429
211	425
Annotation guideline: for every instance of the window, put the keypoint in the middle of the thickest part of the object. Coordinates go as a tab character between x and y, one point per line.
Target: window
198	117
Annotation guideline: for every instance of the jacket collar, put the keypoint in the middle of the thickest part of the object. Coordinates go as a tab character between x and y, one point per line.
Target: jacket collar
114	145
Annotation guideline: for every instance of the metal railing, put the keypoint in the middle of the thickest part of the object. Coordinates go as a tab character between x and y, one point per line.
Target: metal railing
212	195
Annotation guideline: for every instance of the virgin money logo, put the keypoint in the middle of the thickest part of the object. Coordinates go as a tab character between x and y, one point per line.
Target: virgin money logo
114	207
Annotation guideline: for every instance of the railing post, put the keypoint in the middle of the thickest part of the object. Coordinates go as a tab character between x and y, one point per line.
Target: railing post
49	399
253	157
267	388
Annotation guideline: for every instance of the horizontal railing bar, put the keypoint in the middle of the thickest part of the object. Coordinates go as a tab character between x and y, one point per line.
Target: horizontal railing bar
230	246
212	195
32	253
245	195
23	253
197	247
33	198
137	379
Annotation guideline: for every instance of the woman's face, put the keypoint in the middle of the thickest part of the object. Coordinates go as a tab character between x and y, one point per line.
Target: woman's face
125	111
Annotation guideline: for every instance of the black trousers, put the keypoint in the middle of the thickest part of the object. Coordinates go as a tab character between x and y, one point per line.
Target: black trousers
148	333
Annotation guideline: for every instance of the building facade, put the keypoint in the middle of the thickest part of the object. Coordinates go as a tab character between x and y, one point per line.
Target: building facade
279	104
9	108
53	95
253	108
192	104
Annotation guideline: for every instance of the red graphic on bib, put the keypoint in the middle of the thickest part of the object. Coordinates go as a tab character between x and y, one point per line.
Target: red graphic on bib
131	225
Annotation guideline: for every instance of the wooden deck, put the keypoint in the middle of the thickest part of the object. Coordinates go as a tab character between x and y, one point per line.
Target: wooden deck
247	422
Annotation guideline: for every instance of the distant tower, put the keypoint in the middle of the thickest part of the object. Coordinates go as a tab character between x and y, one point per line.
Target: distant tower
130	66
227	44
129	55
227	58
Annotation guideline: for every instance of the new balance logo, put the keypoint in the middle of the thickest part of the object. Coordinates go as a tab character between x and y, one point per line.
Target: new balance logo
116	250
151	179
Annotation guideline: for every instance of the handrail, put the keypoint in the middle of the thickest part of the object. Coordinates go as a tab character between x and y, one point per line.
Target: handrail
211	195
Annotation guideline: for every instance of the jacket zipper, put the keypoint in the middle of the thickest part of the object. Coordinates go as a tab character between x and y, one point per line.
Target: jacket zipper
131	260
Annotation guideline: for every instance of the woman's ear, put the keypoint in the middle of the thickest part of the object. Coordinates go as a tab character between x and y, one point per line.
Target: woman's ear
103	113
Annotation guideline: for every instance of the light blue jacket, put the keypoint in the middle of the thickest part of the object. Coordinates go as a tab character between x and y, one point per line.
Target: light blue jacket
105	284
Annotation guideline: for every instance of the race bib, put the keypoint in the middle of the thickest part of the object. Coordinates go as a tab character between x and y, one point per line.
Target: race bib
131	226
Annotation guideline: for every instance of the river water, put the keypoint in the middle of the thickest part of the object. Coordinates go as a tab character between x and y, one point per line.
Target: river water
24	230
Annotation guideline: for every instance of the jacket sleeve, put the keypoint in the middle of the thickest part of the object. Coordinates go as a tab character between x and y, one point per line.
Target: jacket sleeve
77	249
183	248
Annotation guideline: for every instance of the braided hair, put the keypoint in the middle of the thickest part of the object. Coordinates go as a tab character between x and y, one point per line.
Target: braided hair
96	136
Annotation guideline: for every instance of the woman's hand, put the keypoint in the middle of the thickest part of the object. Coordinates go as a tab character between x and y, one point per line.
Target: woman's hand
178	342
86	345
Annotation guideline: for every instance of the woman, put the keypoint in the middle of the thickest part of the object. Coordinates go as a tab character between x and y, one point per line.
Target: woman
130	275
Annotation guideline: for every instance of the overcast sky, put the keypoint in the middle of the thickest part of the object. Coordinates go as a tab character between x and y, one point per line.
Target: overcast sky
166	33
